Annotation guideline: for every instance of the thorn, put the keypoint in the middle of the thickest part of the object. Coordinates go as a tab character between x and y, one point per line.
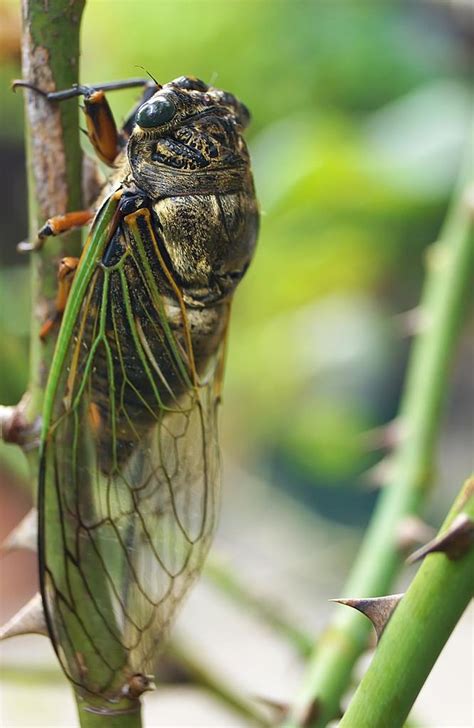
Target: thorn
380	474
454	542
29	620
386	437
312	714
412	531
12	423
412	322
23	536
377	609
138	684
14	426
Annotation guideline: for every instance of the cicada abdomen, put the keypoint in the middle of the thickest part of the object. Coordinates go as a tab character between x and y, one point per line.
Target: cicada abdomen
130	463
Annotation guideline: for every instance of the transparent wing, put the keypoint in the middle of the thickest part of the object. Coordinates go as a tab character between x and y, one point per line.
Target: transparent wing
130	467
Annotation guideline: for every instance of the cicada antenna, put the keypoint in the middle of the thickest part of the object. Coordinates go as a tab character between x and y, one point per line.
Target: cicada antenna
150	75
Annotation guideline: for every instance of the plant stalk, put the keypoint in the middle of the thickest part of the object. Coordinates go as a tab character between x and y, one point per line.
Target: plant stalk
442	306
416	633
50	61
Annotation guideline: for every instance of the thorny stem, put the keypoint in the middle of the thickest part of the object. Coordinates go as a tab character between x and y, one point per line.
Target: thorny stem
416	633
50	61
329	670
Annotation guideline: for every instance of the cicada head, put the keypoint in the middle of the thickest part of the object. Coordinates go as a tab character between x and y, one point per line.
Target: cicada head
188	138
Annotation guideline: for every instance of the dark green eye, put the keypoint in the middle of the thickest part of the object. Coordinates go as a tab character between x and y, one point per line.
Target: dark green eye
155	113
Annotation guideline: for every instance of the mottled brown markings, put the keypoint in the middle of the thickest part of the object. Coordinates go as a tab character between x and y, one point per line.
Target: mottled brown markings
179	297
47	146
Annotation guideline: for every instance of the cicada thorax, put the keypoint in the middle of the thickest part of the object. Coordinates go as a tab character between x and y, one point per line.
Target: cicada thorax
170	269
154	356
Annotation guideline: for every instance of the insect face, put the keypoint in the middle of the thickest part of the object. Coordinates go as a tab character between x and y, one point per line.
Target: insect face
184	128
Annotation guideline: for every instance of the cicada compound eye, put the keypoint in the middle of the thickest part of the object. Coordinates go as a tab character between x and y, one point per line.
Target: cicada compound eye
155	113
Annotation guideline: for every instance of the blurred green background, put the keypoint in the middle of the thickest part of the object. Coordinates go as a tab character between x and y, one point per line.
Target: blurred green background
361	116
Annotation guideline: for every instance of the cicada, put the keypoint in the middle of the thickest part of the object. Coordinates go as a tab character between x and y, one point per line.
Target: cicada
129	475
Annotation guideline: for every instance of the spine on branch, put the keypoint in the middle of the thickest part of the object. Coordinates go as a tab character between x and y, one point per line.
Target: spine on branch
50	61
421	625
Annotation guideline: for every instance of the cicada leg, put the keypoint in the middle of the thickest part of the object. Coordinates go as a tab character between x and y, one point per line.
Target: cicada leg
102	130
101	127
56	226
66	271
100	124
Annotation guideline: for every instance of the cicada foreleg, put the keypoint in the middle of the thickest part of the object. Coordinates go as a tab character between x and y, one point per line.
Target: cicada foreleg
66	271
57	225
103	134
101	128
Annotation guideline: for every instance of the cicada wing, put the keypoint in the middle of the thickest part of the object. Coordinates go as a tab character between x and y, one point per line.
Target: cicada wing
175	512
129	480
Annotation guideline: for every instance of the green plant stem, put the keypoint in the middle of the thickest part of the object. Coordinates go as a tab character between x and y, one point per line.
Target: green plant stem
226	581
50	60
443	301
415	634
